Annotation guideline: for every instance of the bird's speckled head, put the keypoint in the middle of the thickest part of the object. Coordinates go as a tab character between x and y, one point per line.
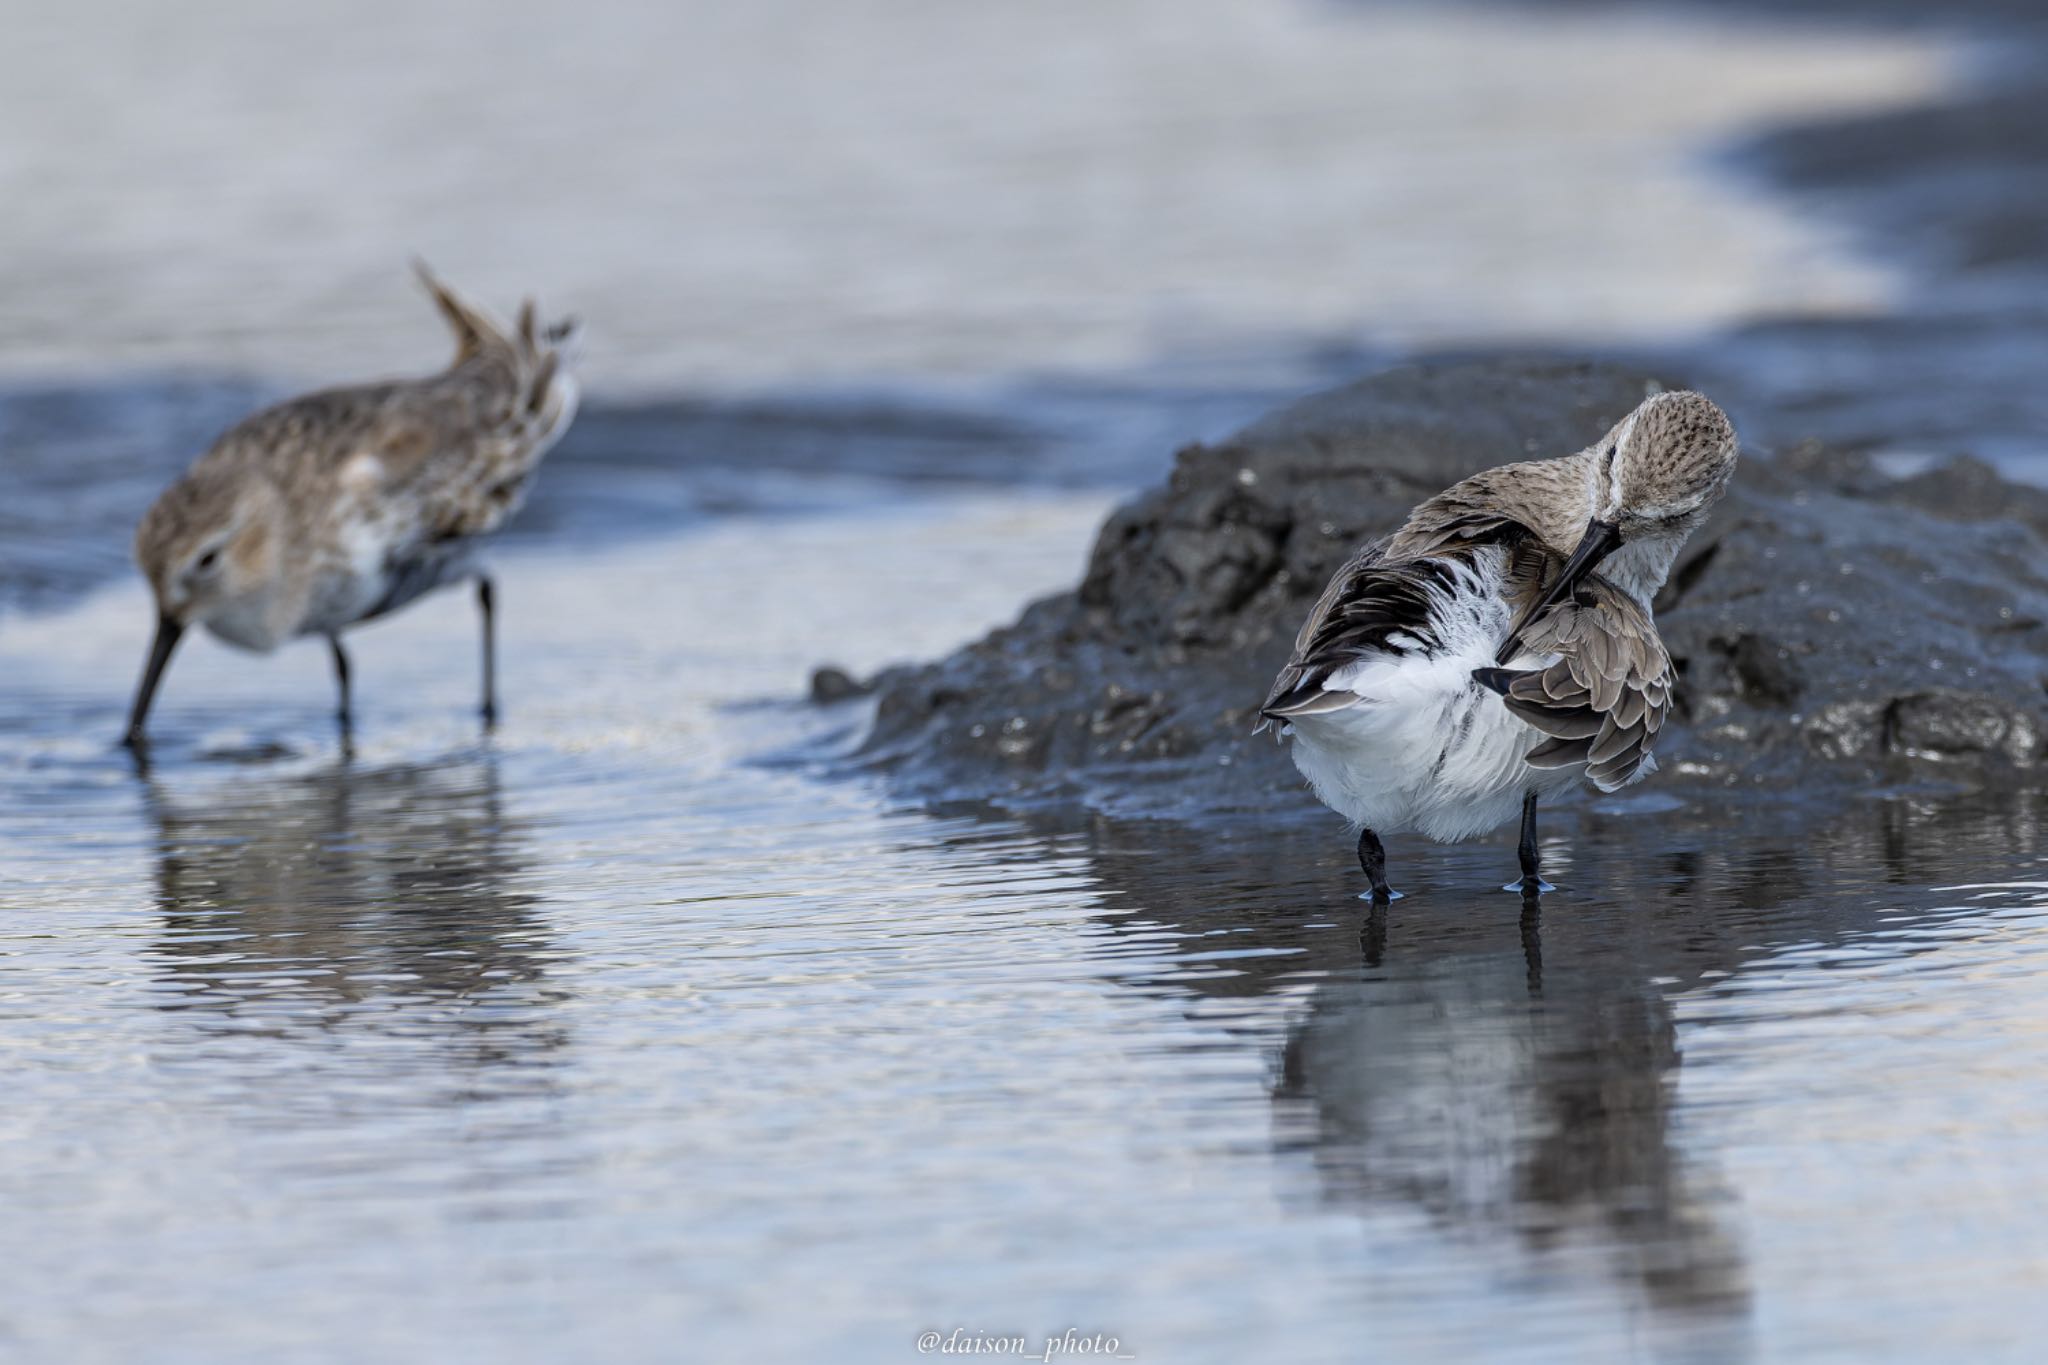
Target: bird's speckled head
1650	483
211	547
1663	467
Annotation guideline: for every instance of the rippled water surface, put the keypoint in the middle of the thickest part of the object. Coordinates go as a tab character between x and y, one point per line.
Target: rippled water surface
605	1036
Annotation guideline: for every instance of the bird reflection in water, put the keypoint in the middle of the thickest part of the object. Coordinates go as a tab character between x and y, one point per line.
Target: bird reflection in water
1538	1106
1536	1100
1494	1099
351	900
1441	1062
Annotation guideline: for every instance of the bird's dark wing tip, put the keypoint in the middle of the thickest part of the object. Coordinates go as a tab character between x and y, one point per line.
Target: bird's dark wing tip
1499	679
1308	701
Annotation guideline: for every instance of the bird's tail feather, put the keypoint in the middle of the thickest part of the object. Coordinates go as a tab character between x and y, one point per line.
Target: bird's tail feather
539	356
476	331
1309	703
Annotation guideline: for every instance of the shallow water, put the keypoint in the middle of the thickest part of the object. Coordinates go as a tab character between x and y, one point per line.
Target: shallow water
603	1037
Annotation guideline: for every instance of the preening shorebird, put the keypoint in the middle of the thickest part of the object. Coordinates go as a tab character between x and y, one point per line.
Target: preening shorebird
344	505
1499	644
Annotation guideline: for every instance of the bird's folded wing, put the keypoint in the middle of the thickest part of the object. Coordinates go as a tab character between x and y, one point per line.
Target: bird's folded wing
1604	700
462	467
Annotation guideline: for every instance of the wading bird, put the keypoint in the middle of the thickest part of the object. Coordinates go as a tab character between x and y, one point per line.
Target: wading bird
341	506
1499	644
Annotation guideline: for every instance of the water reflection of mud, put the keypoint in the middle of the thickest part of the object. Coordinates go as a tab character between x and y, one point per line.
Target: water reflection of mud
350	899
1516	1078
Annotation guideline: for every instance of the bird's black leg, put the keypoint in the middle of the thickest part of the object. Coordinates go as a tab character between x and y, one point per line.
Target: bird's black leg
487	606
346	715
1530	852
1532	883
1372	856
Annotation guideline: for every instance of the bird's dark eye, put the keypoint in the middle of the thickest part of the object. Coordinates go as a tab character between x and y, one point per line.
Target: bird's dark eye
207	560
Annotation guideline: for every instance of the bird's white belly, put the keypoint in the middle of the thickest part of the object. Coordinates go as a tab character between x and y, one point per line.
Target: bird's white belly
1425	747
1445	760
367	578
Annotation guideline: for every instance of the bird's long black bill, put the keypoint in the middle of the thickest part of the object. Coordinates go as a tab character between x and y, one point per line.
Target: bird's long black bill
167	633
1602	539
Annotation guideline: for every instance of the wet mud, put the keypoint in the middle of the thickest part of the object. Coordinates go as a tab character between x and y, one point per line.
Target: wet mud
1832	625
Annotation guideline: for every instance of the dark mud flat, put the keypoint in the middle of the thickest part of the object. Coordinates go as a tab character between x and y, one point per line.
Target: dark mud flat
1833	627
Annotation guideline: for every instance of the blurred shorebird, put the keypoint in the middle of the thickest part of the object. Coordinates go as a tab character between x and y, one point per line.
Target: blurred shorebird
341	506
1499	644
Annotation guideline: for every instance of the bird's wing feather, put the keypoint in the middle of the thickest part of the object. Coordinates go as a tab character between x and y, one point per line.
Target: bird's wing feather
460	447
435	459
1385	591
1604	700
1374	606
